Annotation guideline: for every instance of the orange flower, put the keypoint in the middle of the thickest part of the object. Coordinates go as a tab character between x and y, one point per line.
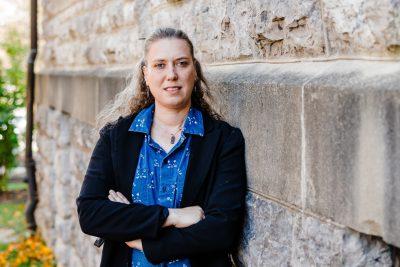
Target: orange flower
31	251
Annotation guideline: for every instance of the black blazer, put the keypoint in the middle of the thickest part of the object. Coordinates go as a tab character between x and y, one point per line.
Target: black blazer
215	180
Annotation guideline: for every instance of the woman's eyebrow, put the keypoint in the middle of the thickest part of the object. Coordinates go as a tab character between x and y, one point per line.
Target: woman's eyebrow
179	58
162	59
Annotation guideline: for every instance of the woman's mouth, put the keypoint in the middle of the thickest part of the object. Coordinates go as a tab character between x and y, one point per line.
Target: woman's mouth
172	88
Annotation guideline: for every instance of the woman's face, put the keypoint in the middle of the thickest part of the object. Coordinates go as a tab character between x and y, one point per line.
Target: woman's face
170	73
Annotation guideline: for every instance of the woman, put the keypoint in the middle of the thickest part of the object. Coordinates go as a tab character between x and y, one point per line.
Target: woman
166	181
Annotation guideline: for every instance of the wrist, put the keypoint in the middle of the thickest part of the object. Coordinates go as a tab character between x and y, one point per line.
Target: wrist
136	244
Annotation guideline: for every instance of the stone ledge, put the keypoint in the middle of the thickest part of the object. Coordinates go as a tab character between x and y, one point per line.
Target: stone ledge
325	133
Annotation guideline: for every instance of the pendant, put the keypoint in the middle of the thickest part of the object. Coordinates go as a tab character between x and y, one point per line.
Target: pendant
172	139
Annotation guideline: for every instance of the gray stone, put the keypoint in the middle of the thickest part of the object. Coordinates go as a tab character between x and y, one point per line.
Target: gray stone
316	243
63	228
79	161
351	131
64	131
65	204
45	221
75	260
275	235
53	123
46	188
47	149
267	236
62	252
83	248
62	166
84	136
362	250
40	118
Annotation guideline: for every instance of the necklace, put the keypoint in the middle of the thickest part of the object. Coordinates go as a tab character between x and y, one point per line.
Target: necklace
173	138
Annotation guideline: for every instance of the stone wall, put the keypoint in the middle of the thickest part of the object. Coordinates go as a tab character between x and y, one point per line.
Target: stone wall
314	86
64	148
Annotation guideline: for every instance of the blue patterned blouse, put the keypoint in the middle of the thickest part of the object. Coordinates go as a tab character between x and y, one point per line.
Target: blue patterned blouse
160	176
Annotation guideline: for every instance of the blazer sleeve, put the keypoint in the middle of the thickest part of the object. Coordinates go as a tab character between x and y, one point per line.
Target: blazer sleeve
223	212
103	218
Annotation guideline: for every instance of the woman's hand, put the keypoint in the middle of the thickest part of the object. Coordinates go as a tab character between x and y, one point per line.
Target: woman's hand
184	217
119	197
179	218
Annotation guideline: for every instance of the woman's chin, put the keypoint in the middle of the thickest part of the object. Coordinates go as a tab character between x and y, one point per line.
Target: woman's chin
174	103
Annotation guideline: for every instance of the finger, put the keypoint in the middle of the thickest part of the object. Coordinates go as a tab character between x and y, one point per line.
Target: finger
112	197
121	196
111	194
118	197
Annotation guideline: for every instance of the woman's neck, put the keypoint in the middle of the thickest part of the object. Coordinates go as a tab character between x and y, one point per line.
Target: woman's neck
171	118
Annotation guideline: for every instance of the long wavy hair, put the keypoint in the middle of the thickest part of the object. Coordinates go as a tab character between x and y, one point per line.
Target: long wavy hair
137	96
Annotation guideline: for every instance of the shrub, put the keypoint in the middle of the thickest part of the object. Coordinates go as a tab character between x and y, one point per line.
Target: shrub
12	97
30	251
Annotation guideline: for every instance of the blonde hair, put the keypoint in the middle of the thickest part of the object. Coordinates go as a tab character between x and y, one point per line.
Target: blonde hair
136	94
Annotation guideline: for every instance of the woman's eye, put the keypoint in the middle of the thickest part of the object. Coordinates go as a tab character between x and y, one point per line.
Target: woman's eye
159	65
183	63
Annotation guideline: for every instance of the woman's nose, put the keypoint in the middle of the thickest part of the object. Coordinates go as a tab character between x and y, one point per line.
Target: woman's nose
171	73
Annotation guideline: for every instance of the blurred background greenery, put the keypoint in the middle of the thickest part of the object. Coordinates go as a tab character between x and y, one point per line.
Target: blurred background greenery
12	103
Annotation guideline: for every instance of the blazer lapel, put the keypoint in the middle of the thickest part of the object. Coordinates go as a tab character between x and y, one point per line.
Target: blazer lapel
201	154
129	150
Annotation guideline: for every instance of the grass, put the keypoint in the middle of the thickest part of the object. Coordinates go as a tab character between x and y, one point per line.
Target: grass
3	247
17	186
12	216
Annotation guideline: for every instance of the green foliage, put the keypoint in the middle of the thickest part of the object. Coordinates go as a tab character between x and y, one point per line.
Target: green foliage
12	97
12	216
17	186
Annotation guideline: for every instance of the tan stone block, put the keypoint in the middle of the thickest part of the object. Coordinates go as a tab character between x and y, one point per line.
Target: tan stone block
369	28
264	100
351	130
